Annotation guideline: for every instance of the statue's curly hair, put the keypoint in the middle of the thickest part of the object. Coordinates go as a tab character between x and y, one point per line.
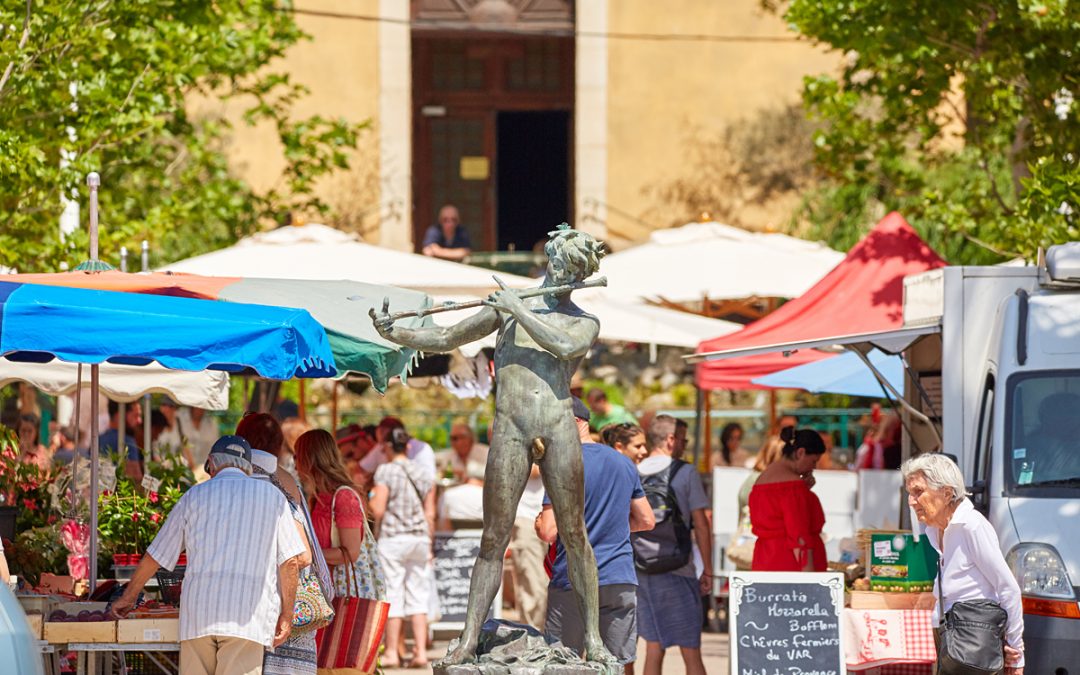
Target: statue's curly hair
582	250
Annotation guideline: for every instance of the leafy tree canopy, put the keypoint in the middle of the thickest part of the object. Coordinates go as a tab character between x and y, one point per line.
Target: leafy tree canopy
960	114
108	86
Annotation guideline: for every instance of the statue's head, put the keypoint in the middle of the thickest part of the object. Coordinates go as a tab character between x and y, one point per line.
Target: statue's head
573	255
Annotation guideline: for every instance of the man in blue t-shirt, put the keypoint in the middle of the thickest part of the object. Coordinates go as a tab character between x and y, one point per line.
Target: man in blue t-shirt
615	505
447	239
110	440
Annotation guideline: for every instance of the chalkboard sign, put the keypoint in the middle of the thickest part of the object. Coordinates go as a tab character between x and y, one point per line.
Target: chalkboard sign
786	623
455	556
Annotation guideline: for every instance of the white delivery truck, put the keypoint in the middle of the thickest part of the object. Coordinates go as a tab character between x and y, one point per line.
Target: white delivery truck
999	375
992	377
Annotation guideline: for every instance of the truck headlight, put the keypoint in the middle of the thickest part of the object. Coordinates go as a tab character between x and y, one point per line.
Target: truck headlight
1040	571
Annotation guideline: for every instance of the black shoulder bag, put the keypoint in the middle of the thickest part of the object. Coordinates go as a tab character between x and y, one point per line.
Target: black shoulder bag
971	635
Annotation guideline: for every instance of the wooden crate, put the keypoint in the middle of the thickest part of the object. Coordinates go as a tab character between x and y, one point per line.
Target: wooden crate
37	623
147	630
880	600
80	631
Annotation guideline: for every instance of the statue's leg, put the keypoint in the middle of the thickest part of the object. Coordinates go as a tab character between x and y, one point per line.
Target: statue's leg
508	468
564	480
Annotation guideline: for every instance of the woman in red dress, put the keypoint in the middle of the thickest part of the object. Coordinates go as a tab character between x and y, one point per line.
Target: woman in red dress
784	514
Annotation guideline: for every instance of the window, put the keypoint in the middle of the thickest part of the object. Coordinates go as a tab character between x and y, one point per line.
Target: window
1043	433
985	432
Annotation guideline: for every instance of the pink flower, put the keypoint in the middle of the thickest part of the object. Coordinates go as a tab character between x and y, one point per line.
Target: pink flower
29	504
153	497
135	516
155	517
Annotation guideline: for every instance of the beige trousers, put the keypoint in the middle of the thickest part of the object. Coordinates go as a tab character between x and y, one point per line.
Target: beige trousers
217	655
531	581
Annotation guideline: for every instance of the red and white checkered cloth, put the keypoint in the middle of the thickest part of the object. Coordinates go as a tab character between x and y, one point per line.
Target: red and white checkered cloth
919	635
888	638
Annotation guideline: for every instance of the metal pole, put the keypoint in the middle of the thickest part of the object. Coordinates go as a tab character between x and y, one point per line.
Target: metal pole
146	397
123	258
93	476
334	407
75	456
93	180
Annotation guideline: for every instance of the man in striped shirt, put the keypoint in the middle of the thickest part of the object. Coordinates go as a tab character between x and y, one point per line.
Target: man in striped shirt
240	583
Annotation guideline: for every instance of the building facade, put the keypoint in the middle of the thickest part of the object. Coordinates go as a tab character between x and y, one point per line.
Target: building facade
525	113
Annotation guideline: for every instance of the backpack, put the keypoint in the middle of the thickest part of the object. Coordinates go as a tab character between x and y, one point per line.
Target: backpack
667	546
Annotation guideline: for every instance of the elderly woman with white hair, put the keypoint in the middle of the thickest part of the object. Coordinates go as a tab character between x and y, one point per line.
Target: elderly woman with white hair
972	567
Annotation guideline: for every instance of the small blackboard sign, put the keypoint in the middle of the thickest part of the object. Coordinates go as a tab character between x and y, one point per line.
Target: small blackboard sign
787	623
455	556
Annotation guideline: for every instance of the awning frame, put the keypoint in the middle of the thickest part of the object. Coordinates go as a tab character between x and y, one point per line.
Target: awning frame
888	341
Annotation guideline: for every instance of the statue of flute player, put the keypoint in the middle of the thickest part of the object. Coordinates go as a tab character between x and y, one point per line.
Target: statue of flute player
541	341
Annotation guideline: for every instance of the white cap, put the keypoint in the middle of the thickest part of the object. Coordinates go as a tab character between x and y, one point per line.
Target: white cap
264	460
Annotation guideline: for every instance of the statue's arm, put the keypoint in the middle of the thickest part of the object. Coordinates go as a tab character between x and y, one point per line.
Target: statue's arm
437	338
565	342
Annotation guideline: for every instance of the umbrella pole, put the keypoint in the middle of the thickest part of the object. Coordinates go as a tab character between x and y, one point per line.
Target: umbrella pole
93	181
707	446
146	397
75	456
93	476
303	401
334	406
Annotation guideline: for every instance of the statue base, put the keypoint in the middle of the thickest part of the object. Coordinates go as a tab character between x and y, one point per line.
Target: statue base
507	648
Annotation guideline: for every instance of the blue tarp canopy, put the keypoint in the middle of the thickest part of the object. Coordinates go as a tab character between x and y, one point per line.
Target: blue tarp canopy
841	374
39	323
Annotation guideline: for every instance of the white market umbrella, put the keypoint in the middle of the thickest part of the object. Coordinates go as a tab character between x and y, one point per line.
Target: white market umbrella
687	263
206	389
321	253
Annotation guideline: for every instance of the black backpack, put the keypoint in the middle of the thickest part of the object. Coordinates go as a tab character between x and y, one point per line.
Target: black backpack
667	546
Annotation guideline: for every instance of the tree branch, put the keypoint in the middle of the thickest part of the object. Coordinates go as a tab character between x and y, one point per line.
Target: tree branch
138	79
22	43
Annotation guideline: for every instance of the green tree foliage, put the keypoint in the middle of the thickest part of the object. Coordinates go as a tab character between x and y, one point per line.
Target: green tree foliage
960	115
110	86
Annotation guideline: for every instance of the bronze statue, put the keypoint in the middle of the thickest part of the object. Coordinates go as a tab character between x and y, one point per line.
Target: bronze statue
541	341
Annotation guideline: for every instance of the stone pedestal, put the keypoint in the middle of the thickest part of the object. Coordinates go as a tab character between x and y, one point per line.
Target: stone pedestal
507	648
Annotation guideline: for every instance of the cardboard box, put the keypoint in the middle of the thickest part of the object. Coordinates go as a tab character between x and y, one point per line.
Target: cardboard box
80	631
901	563
147	630
37	623
878	600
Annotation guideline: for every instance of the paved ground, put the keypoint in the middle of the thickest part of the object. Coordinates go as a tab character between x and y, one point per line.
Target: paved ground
714	651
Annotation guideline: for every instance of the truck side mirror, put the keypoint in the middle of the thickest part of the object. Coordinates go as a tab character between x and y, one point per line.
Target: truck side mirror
980	496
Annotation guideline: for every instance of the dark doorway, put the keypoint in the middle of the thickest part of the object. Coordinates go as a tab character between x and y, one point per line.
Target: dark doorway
533	176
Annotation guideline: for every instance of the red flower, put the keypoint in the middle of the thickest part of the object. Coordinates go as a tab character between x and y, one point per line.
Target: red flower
134	516
153	497
105	493
155	517
29	504
51	519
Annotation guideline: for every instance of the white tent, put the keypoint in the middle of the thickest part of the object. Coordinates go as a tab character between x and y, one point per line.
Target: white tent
207	389
687	263
321	252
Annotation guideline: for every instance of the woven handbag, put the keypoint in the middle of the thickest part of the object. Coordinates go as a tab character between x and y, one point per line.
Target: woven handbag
311	611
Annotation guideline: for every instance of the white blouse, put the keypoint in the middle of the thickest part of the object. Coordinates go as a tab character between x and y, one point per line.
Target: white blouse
973	568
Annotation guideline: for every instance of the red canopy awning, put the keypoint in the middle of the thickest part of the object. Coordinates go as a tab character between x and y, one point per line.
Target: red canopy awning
863	294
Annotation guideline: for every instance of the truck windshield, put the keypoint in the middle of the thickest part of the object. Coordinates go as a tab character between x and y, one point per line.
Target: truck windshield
1043	432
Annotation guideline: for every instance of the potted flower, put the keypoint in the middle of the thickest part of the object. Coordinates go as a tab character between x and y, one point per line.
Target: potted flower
129	518
23	489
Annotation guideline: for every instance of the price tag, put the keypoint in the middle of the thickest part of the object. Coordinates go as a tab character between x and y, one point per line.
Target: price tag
106	479
151	635
150	483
